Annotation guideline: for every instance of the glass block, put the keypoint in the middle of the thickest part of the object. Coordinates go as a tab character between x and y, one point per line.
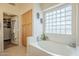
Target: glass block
63	23
68	8
68	18
58	11
54	20
68	13
54	27
63	10
68	22
58	27
58	23
63	27
54	23
47	14
68	31
68	26
54	12
50	13
62	18
58	15
58	19
54	16
62	14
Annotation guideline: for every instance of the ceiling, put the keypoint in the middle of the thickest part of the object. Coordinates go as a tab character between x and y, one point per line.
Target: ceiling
47	5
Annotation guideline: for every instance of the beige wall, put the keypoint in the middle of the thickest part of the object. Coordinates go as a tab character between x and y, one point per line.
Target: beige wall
24	7
18	10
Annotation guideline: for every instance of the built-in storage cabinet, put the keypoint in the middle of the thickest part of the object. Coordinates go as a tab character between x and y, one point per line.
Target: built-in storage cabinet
7	23
7	28
26	26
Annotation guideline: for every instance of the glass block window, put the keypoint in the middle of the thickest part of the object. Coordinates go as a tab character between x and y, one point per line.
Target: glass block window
59	21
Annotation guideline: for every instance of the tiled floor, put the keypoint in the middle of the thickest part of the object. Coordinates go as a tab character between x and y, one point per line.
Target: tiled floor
33	51
14	51
21	51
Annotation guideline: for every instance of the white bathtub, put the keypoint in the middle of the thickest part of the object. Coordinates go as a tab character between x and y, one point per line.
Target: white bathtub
54	48
57	48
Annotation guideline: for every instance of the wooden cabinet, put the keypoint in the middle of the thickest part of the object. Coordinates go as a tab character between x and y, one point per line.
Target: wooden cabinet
29	31
26	26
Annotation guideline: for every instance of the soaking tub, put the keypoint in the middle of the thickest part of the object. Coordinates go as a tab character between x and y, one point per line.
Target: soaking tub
53	48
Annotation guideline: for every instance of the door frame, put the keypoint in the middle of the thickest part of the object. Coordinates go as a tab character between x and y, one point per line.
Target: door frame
17	16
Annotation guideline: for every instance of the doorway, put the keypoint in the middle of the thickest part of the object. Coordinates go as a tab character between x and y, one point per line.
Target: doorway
8	30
